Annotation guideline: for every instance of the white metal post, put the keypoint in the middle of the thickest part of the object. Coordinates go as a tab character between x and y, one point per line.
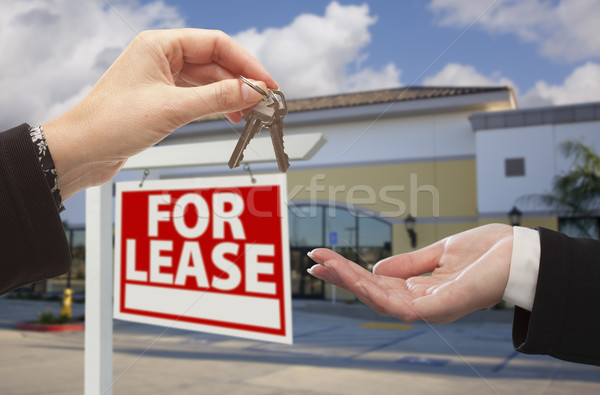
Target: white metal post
98	291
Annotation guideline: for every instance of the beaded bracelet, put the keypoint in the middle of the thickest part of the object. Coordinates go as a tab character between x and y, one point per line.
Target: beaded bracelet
46	164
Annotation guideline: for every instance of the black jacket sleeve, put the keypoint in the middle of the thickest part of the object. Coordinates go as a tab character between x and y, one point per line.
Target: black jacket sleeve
33	245
565	318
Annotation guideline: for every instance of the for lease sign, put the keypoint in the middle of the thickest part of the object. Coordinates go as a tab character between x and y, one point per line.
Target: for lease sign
206	254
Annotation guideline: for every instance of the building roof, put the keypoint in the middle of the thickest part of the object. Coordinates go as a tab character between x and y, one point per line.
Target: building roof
402	94
571	113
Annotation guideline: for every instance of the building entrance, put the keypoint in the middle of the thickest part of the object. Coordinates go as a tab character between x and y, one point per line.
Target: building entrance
303	284
356	236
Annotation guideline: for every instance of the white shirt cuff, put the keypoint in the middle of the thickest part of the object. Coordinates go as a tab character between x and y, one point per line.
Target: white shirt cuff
524	268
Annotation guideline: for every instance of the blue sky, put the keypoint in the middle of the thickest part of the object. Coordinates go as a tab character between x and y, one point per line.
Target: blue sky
487	41
547	50
406	33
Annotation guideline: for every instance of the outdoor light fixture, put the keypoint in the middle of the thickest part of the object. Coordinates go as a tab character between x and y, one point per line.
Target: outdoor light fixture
514	216
409	222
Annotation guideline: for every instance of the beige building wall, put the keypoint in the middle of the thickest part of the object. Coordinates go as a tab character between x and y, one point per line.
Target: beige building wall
434	189
441	195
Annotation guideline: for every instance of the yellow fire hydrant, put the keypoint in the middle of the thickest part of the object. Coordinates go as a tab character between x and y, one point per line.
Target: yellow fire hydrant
66	303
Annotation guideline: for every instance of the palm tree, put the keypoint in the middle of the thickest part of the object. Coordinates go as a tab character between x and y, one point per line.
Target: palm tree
576	195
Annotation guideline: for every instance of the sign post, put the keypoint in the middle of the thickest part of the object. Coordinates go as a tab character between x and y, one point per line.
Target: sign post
99	285
98	291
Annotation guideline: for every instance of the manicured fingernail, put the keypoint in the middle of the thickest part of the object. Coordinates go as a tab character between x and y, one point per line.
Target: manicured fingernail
374	269
310	270
311	256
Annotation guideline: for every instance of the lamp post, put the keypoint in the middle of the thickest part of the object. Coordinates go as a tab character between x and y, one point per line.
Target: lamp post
409	222
514	216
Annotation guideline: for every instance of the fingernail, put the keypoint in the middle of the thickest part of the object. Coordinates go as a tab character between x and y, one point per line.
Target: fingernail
311	256
374	269
310	270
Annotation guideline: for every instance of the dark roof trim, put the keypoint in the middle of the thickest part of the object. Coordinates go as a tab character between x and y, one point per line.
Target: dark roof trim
385	96
573	113
403	94
478	99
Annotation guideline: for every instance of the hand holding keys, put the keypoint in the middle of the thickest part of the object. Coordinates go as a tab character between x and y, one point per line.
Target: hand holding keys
269	112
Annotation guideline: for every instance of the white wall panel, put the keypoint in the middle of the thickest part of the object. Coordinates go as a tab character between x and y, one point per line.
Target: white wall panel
540	146
453	135
498	193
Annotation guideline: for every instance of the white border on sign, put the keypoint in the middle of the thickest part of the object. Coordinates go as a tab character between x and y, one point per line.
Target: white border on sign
278	179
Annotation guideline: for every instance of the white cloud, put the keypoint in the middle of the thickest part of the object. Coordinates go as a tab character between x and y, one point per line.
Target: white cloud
369	79
456	74
313	55
563	30
53	51
582	85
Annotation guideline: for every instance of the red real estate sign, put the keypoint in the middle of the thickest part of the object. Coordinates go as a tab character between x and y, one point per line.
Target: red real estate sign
206	254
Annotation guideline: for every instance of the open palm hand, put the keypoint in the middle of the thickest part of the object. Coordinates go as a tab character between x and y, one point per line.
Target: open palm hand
468	271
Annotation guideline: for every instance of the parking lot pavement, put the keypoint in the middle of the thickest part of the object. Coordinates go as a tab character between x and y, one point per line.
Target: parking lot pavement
338	349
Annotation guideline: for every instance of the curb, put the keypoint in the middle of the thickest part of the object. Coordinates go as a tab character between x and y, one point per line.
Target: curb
31	326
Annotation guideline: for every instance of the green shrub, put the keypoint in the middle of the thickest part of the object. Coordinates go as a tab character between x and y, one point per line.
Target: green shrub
48	317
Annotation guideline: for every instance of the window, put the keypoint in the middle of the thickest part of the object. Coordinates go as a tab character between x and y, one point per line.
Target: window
305	223
514	167
361	238
588	227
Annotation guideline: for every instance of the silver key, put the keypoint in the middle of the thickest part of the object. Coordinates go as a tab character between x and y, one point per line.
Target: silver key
276	129
258	116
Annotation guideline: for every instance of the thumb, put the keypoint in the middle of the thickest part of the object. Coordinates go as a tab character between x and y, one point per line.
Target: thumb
410	264
224	96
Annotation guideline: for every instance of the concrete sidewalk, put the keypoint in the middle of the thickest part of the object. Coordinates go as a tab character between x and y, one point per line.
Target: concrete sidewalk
338	349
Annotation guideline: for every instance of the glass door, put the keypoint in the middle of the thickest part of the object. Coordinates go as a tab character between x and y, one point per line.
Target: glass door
303	284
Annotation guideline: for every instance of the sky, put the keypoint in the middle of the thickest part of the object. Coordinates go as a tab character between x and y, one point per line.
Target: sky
53	51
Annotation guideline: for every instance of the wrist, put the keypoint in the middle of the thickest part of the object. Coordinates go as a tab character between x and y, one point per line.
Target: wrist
76	167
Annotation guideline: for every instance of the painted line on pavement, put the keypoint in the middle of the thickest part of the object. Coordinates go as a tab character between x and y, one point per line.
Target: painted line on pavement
505	362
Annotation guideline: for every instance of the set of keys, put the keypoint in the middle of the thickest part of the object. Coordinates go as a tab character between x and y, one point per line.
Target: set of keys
269	112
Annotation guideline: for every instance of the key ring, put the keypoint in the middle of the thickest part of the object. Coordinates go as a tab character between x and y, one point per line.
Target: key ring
251	85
